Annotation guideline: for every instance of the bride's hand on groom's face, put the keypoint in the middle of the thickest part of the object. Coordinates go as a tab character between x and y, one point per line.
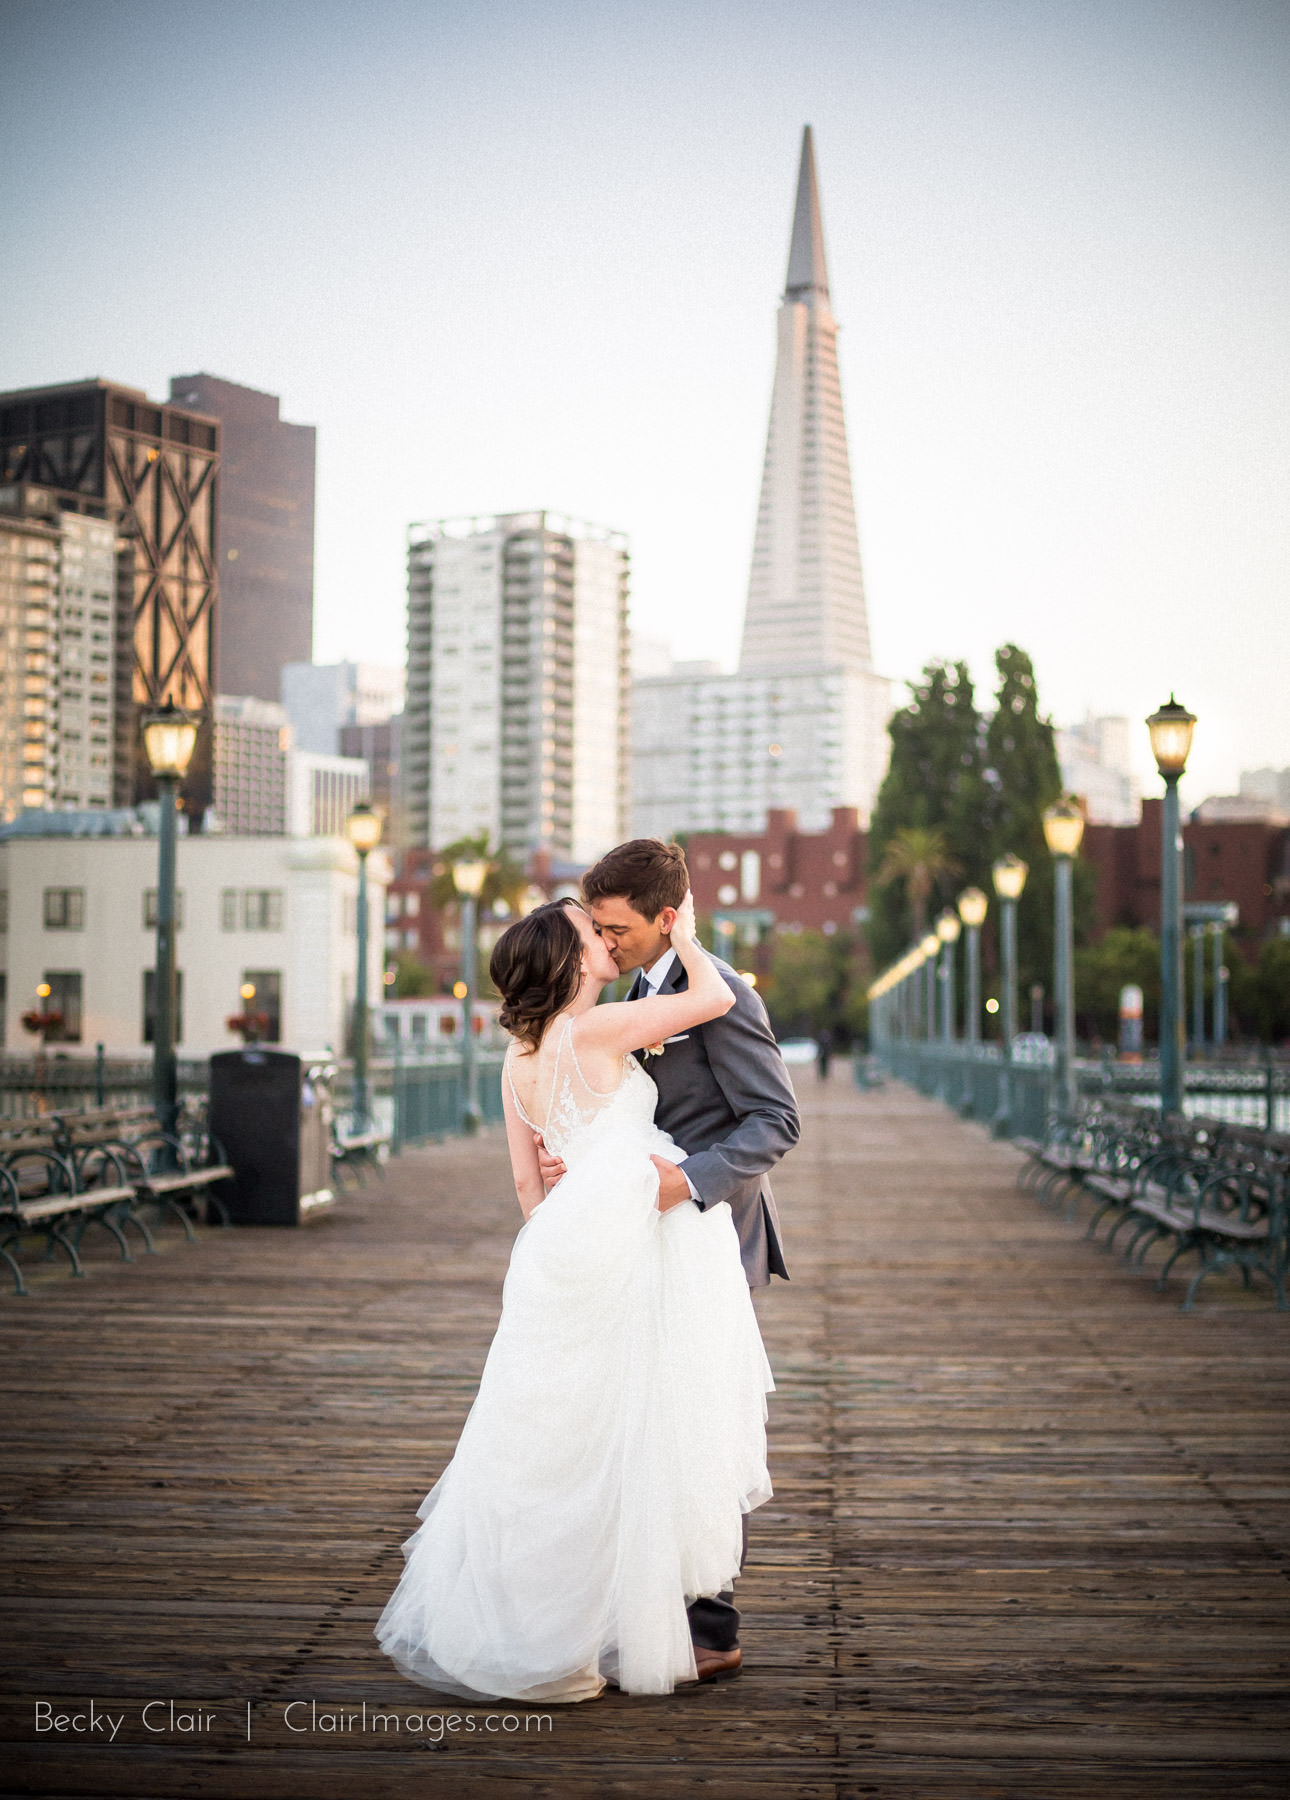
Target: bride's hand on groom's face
683	928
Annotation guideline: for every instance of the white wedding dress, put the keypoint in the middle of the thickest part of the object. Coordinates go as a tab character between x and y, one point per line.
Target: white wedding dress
616	1438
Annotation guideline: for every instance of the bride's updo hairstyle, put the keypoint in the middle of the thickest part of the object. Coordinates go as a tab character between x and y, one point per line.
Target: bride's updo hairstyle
536	967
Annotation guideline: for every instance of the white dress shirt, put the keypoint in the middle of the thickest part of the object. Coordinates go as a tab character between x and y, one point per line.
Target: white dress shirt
652	980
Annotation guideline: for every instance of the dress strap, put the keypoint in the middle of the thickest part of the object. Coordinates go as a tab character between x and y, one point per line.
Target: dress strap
506	1064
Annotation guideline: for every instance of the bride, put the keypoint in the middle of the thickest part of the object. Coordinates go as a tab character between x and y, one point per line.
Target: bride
599	1480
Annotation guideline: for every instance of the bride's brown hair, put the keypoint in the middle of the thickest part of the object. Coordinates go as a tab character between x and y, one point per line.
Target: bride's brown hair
536	967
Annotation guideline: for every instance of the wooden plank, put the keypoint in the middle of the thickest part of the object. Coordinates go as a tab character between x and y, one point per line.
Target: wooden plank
1028	1535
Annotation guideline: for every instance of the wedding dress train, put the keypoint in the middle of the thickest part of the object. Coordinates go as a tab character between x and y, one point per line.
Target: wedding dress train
617	1435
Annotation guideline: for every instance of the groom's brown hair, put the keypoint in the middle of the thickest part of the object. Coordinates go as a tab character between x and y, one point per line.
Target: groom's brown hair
647	873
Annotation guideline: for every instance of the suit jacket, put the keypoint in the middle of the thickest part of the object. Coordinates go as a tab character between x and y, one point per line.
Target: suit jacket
725	1096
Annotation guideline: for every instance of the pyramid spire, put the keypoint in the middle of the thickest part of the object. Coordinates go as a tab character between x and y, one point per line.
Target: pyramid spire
807	271
806	602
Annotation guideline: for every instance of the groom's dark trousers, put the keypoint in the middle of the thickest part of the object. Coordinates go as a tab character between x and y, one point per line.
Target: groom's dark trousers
724	1095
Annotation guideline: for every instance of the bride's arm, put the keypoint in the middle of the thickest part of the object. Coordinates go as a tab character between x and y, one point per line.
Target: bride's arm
524	1157
625	1025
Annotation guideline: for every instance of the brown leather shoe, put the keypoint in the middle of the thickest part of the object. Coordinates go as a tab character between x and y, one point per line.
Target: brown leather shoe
717	1665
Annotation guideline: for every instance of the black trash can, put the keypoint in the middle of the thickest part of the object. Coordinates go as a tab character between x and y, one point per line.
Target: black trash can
271	1112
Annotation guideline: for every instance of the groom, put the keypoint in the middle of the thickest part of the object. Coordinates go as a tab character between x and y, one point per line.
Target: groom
723	1093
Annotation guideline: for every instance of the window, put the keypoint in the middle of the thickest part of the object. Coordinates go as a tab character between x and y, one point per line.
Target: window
4	919
267	999
150	1006
262	910
150	915
65	1000
228	909
65	911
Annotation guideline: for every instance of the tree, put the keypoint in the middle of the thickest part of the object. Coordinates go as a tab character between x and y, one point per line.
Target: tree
1023	778
505	880
1127	955
1273	1000
412	979
919	856
817	982
935	781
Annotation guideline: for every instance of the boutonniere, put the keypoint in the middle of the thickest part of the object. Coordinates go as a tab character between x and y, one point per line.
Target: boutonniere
654	1049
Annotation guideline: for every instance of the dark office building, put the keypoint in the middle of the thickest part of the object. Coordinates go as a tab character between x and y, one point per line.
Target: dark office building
266	534
380	747
151	469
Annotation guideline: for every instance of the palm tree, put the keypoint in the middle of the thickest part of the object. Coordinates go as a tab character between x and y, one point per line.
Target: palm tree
505	880
918	855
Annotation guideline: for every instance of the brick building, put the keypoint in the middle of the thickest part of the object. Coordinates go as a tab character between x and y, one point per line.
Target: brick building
1241	860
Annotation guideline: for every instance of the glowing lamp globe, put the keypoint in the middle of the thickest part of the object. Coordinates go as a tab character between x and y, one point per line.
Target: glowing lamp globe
1009	875
363	828
1064	827
1171	728
169	737
973	906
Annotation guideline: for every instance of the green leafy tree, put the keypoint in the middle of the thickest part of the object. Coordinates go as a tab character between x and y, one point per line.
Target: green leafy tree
935	781
412	979
816	982
1273	991
1127	955
1023	778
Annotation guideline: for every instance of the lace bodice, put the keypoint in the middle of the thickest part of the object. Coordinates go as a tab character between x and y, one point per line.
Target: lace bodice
573	1107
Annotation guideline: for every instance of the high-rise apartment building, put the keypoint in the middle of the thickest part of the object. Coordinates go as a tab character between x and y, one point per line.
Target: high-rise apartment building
517	709
266	534
252	745
802	724
149	471
58	578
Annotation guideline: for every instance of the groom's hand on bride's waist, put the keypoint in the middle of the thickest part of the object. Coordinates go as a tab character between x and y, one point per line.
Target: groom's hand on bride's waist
673	1184
550	1167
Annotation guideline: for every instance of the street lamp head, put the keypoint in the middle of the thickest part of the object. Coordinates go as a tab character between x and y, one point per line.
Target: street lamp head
948	927
1064	826
973	906
469	875
930	945
363	828
1171	728
247	990
1010	874
169	737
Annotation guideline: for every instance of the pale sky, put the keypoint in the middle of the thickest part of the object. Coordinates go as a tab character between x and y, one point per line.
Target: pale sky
510	254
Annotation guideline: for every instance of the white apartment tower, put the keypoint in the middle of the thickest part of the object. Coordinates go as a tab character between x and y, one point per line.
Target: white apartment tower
516	717
58	655
803	722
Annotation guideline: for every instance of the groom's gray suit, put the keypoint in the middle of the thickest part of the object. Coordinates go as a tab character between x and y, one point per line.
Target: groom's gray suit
724	1095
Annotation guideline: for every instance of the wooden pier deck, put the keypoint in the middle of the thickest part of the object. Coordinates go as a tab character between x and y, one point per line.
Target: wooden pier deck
1030	1535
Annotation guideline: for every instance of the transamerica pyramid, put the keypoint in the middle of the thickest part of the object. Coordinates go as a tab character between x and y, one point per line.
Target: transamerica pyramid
805	591
800	729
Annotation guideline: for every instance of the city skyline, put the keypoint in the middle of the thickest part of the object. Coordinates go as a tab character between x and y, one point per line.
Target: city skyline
1062	244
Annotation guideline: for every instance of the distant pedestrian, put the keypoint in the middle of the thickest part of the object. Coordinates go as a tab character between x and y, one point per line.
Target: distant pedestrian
823	1053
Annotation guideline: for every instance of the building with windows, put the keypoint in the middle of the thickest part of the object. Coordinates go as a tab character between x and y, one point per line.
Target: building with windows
150	471
265	531
1096	759
58	574
802	724
275	914
322	791
516	723
323	699
252	747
